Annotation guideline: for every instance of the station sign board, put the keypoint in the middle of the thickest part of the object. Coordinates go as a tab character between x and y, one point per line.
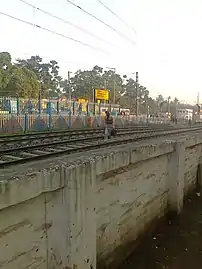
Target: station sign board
82	100
102	94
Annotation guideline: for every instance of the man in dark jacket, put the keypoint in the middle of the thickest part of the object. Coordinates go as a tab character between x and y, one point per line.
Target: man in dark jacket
108	125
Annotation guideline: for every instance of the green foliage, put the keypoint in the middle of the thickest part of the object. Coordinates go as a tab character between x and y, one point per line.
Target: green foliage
23	83
16	80
46	74
85	81
26	77
5	67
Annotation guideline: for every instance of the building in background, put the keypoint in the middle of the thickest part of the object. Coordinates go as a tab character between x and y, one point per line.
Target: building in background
184	114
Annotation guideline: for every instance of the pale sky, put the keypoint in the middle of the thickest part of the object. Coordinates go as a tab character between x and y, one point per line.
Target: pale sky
167	53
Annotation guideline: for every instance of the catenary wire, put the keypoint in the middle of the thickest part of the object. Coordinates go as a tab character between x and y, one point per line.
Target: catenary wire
64	21
116	15
53	32
101	21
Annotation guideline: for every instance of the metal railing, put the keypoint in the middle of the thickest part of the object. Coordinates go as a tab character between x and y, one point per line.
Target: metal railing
18	106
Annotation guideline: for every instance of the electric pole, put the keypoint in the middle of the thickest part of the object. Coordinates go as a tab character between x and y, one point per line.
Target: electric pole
70	90
105	84
169	104
137	93
198	106
114	83
114	86
198	98
147	105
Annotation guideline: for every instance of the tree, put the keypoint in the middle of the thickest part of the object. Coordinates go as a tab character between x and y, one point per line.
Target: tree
131	95
175	101
173	105
111	81
23	83
160	102
152	105
5	60
26	77
5	67
15	80
85	81
46	73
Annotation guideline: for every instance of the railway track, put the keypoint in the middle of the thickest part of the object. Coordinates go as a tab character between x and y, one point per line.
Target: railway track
41	138
63	133
19	155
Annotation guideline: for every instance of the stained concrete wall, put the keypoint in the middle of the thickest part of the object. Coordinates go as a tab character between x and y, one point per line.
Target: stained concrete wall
192	157
47	218
127	201
84	212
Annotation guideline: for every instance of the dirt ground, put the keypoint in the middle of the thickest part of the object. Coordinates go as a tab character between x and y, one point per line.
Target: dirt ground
175	245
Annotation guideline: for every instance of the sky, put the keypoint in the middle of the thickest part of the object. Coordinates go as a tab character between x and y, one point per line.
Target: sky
166	47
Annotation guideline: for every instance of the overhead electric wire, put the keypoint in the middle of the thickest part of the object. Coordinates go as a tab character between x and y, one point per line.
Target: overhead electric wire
117	16
101	21
53	32
65	21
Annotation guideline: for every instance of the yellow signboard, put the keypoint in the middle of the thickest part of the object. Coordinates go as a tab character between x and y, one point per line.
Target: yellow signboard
101	94
82	100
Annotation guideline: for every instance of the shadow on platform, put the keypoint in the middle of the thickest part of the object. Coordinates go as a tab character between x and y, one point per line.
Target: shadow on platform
175	245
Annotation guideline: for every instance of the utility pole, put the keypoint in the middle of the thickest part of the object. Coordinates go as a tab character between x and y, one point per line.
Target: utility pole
198	98
105	84
137	94
114	83
147	106
198	106
114	86
169	104
70	90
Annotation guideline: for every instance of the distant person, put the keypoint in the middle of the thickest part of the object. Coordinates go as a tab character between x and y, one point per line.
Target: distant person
30	107
80	109
175	120
108	125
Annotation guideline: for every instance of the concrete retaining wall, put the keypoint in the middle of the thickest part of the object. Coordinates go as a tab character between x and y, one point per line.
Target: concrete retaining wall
192	157
127	201
89	212
47	219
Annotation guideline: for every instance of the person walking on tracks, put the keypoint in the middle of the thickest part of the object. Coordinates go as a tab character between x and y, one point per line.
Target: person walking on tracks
108	125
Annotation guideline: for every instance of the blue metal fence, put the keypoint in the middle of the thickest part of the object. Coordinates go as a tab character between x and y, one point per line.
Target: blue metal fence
24	115
19	106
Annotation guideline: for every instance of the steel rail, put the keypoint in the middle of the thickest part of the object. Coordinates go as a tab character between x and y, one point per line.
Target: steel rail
57	134
71	141
73	146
